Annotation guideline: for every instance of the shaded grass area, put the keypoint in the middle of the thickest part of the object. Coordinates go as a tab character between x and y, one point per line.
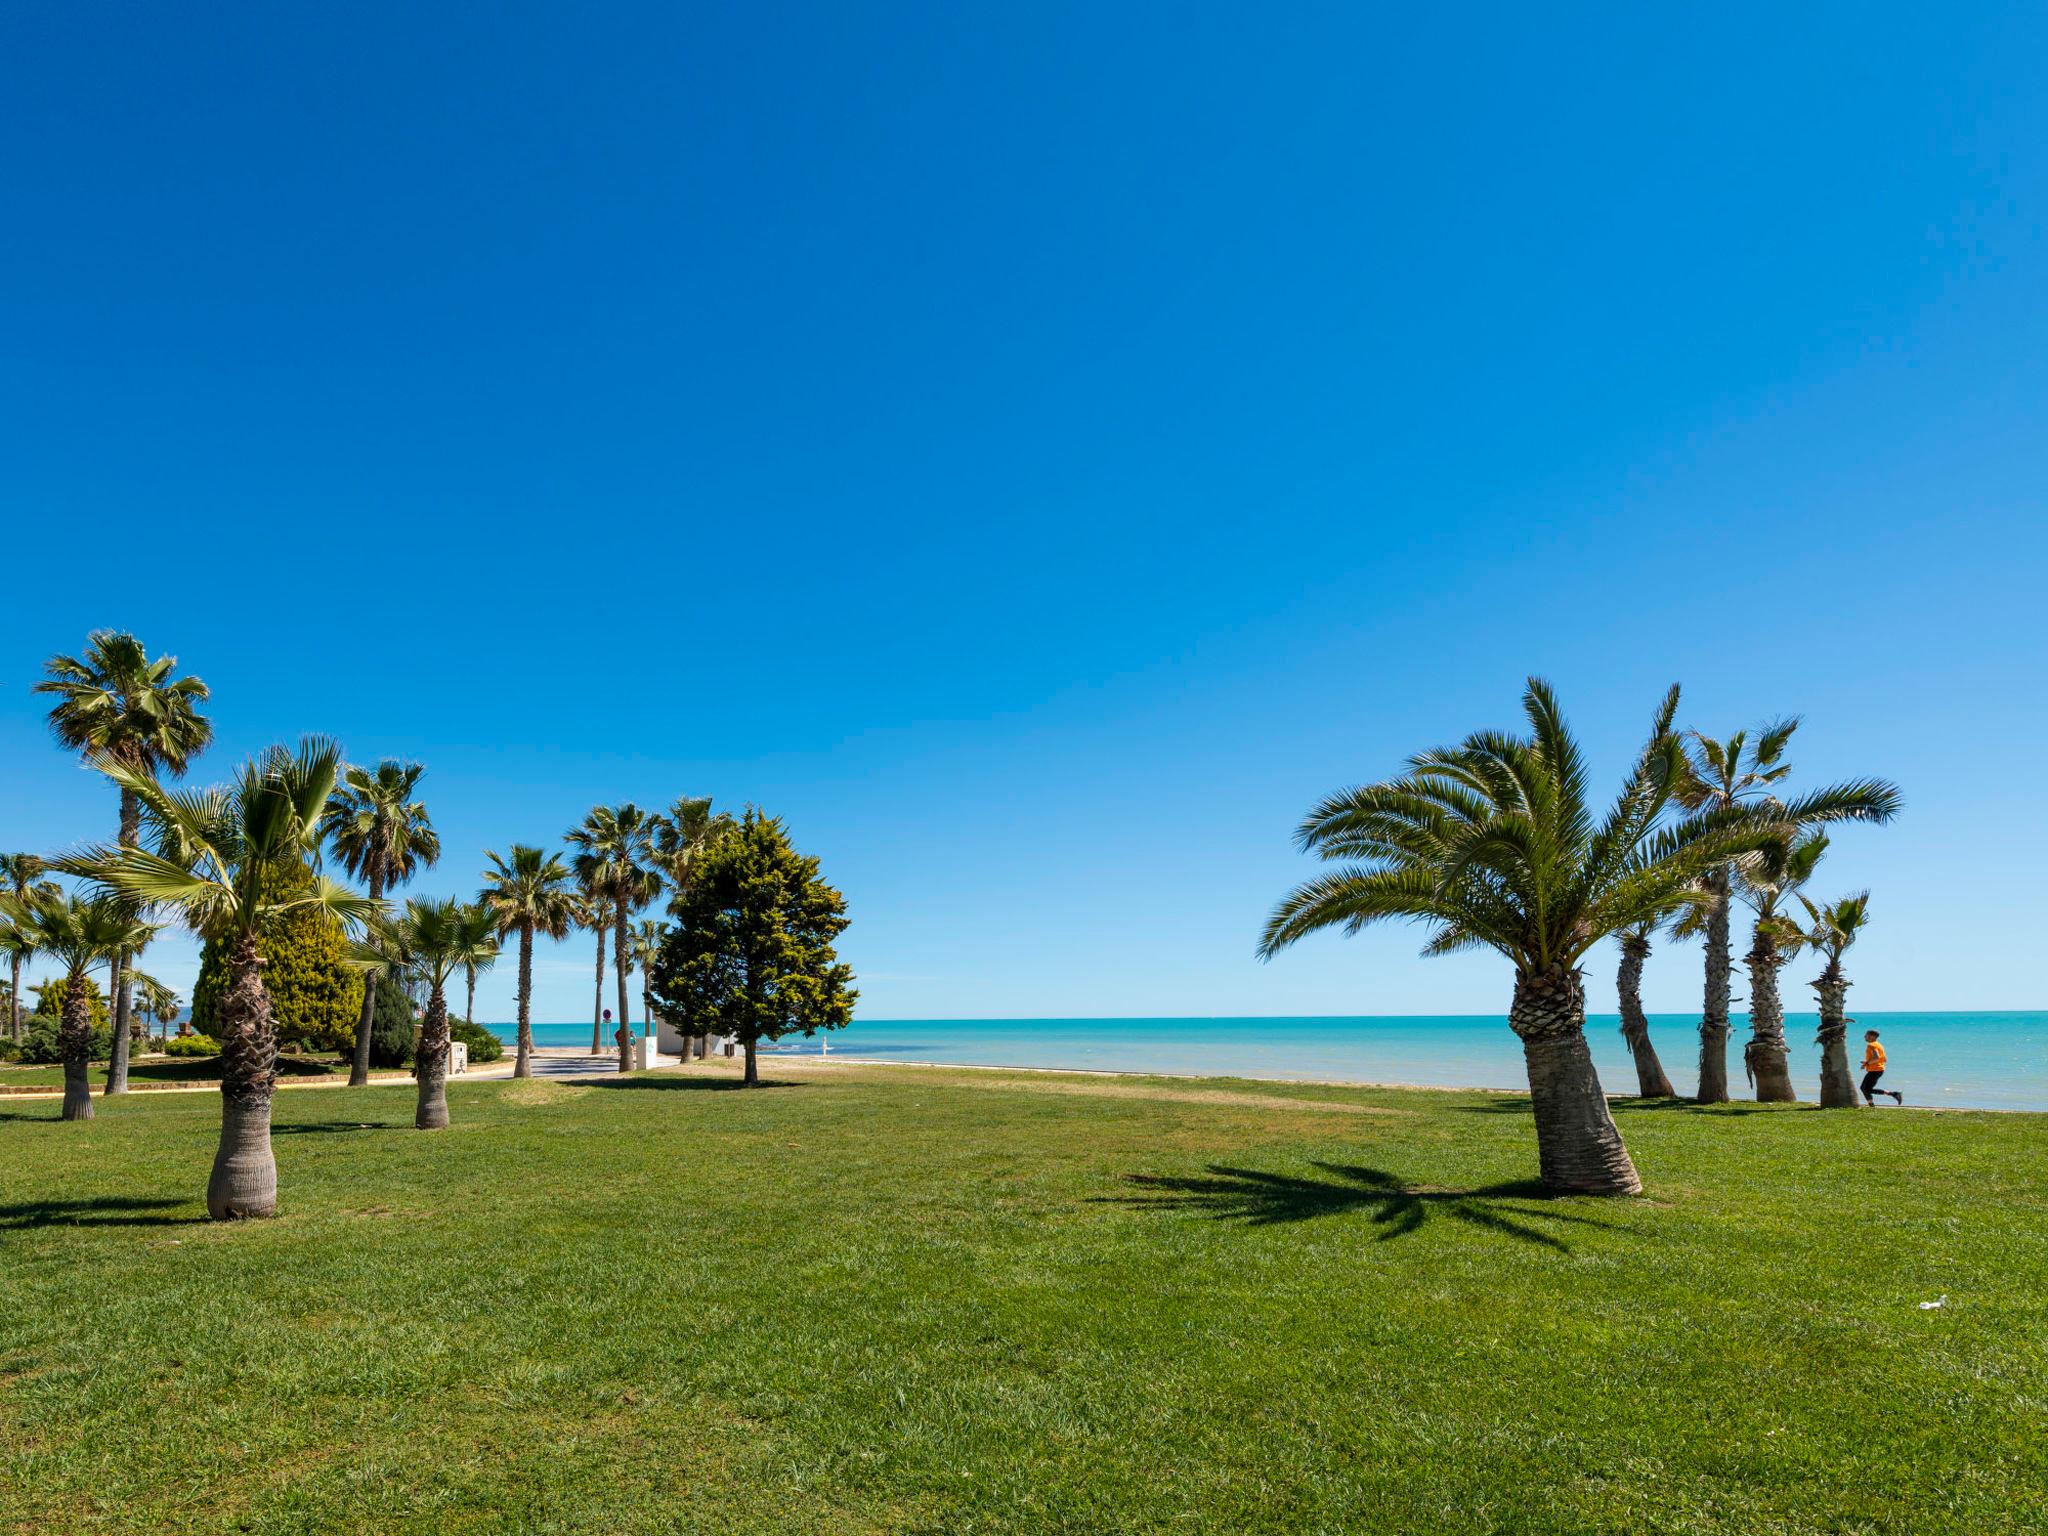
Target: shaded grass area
932	1301
161	1069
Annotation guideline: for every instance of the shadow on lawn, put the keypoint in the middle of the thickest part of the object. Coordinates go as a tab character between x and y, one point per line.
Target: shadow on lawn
1518	1104
99	1211
331	1127
1263	1199
684	1084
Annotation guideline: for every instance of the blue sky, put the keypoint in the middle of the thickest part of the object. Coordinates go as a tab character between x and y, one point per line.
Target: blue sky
1039	450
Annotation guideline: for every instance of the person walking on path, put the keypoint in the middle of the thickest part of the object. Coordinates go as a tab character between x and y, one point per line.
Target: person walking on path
1873	1069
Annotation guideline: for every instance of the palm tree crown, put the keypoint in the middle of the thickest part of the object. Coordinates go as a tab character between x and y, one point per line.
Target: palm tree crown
614	854
683	835
84	932
115	702
1836	925
528	891
376	826
1491	844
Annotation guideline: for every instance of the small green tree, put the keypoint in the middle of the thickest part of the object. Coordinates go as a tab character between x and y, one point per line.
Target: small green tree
316	996
750	951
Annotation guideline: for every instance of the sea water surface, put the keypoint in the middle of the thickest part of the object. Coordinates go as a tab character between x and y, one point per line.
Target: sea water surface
1950	1060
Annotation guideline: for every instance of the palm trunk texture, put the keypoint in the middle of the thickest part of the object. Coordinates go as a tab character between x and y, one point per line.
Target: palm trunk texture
74	1041
597	1007
1765	1058
1713	1087
1578	1148
625	1031
432	1114
359	1061
244	1181
1837	1087
522	1064
14	1000
117	1056
1651	1080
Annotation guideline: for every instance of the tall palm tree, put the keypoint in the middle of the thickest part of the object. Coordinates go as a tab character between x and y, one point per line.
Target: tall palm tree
528	894
614	861
81	934
21	883
480	950
437	938
114	702
1652	1082
1768	881
157	1002
382	835
589	911
682	836
219	863
1722	775
1492	845
1835	927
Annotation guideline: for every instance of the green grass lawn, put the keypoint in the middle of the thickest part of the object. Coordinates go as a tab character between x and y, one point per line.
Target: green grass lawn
160	1069
918	1300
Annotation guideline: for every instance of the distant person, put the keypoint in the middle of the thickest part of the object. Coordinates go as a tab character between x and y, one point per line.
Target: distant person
1873	1069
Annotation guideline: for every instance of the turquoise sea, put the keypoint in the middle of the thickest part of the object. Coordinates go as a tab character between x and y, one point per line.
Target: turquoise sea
1954	1060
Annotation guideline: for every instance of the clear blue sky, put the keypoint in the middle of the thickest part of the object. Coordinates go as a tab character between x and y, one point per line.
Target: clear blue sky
1040	449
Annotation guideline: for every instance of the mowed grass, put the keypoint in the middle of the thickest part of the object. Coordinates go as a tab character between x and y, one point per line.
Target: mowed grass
154	1071
880	1299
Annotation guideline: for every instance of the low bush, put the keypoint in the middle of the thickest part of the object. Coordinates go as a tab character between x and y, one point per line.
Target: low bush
40	1046
191	1045
483	1045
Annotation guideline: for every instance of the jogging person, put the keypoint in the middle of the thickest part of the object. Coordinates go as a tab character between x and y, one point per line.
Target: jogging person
1873	1069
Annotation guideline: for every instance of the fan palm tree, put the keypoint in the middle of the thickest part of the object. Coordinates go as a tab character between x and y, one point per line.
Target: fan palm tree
480	951
589	911
528	894
382	835
1722	775
1835	927
647	937
436	938
219	863
114	702
156	1002
21	884
80	934
1652	1082
682	836
614	862
1492	845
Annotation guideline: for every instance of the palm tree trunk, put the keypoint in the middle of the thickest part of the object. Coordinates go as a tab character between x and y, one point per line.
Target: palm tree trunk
469	1000
753	1077
432	1114
522	1065
74	1042
597	1007
1577	1145
359	1063
244	1181
1765	1058
1837	1087
625	1040
1651	1081
14	1000
1713	1087
117	982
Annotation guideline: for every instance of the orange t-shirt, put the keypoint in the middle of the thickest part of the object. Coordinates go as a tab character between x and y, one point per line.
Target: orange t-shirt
1873	1056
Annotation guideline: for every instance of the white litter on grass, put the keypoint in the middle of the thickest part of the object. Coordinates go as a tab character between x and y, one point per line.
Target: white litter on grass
1929	1306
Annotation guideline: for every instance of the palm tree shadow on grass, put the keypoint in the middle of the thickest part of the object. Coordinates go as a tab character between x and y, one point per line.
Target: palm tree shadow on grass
330	1127
687	1084
1518	1104
1262	1199
98	1211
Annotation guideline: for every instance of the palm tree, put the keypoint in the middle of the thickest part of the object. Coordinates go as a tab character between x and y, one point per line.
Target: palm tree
528	894
1491	844
114	702
436	937
1652	1082
614	854
682	836
21	884
589	911
80	935
1835	927
219	863
647	937
1725	775
382	836
155	1001
1768	879
480	950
